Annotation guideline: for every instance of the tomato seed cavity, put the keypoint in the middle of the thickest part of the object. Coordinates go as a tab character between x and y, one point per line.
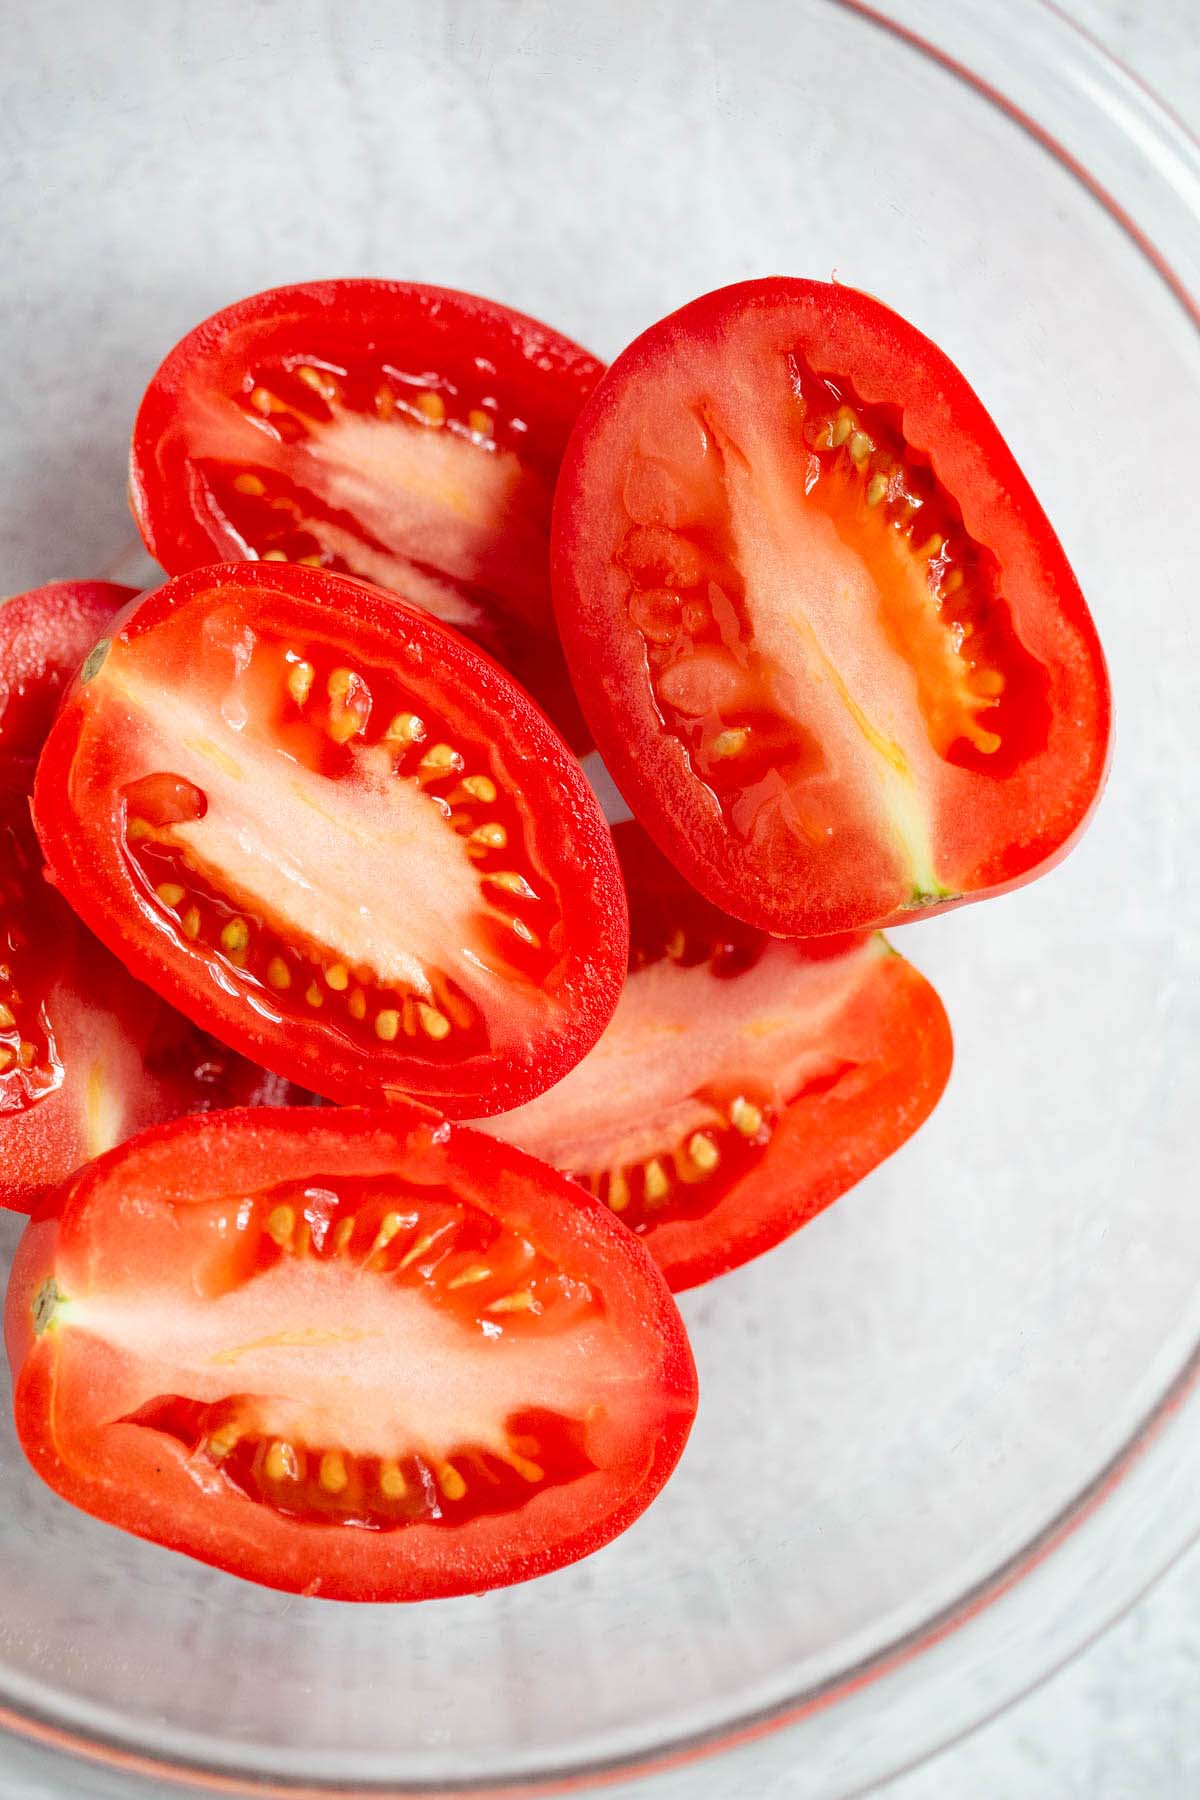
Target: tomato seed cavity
328	716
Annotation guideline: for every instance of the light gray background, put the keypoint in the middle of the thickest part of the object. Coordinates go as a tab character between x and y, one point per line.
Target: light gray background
1123	1722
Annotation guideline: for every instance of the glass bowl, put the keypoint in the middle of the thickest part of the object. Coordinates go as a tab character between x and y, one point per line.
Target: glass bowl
949	1430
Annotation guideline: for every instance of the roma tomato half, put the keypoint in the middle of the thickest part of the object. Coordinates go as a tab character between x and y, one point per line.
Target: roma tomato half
87	1055
824	635
406	434
744	1082
333	833
44	637
362	1356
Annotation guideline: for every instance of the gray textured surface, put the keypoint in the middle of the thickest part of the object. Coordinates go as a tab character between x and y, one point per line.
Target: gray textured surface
1123	1721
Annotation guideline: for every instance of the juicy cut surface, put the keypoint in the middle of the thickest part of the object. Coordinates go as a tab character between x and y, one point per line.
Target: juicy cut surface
336	831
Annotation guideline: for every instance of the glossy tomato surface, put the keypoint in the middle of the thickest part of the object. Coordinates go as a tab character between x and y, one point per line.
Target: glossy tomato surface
45	636
824	635
87	1055
410	435
365	1356
744	1082
330	831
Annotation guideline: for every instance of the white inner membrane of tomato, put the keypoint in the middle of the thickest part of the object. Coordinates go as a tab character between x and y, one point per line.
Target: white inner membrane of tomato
680	1097
330	850
419	489
817	619
350	1350
107	1071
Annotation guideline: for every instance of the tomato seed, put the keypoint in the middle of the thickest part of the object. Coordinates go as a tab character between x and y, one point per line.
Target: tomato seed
469	1277
441	760
299	681
282	1463
320	382
655	1184
434	1023
513	1303
392	1484
618	1191
703	1153
405	728
235	936
745	1117
332	1474
451	1482
859	447
281	1222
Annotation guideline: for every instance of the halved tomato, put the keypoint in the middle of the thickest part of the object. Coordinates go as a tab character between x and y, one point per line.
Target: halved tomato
87	1055
744	1082
333	833
365	1356
44	637
824	635
406	434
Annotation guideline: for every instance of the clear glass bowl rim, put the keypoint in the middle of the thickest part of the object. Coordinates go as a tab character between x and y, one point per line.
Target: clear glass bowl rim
1169	1436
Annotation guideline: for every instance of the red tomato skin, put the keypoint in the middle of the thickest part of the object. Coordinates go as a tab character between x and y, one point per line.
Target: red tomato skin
45	634
823	1144
41	1147
157	1063
817	1154
329	1562
820	1149
551	375
1034	816
84	862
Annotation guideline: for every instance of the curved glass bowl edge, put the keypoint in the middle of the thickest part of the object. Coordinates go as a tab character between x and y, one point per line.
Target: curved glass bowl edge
1139	1514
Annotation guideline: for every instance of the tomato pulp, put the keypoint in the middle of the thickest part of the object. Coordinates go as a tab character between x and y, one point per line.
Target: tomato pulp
87	1055
744	1082
410	435
824	635
365	1356
331	832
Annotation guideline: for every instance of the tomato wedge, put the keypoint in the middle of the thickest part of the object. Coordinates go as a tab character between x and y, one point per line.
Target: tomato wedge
87	1055
368	1356
744	1082
45	635
406	434
334	834
824	635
